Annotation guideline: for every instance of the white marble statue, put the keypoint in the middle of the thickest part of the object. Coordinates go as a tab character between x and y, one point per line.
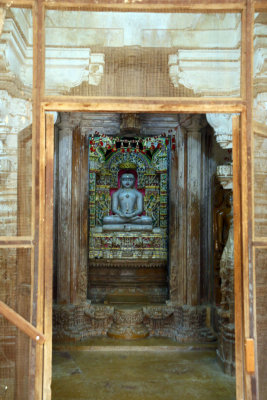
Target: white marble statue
127	207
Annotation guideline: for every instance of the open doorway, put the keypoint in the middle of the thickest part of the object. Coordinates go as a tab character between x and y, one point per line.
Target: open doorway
167	274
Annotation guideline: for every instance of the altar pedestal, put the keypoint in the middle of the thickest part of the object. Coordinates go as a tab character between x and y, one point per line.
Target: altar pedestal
128	323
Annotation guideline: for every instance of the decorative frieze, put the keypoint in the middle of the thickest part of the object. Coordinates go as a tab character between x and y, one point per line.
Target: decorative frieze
184	324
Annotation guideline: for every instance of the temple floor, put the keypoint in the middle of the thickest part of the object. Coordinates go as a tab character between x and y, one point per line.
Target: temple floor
153	368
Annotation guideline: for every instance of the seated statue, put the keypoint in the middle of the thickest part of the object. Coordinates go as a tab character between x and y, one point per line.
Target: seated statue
127	207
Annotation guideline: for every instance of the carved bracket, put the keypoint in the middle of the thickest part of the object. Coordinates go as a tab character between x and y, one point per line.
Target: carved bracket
222	125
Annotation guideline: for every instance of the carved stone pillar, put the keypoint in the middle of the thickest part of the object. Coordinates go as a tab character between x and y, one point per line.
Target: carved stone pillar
71	219
194	179
177	235
64	204
185	271
226	346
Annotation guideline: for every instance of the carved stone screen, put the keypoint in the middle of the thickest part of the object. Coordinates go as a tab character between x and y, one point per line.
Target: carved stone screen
260	192
15	122
142	54
15	346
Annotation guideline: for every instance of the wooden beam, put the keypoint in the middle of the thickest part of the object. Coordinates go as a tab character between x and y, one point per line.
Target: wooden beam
238	279
246	183
17	3
10	245
39	192
261	6
48	285
145	106
16	240
260	242
21	323
149	5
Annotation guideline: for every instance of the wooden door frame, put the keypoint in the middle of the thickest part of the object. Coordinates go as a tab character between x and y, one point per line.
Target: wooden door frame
41	103
243	379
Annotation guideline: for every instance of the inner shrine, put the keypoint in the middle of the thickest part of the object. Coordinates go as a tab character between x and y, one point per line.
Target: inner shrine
141	223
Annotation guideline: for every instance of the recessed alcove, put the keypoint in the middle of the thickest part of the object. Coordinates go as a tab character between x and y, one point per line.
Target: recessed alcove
174	271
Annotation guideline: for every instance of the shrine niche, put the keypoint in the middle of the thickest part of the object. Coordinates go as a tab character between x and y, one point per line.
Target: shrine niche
134	228
128	217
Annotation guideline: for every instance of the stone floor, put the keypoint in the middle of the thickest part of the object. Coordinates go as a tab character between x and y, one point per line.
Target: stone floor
157	369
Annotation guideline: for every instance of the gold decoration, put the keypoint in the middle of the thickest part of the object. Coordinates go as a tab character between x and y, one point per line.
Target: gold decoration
128	165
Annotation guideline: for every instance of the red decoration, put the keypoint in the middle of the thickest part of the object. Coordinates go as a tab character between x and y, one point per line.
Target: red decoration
101	143
173	146
167	142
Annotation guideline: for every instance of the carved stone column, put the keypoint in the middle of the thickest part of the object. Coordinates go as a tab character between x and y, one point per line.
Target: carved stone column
71	262
64	162
185	272
194	179
226	347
